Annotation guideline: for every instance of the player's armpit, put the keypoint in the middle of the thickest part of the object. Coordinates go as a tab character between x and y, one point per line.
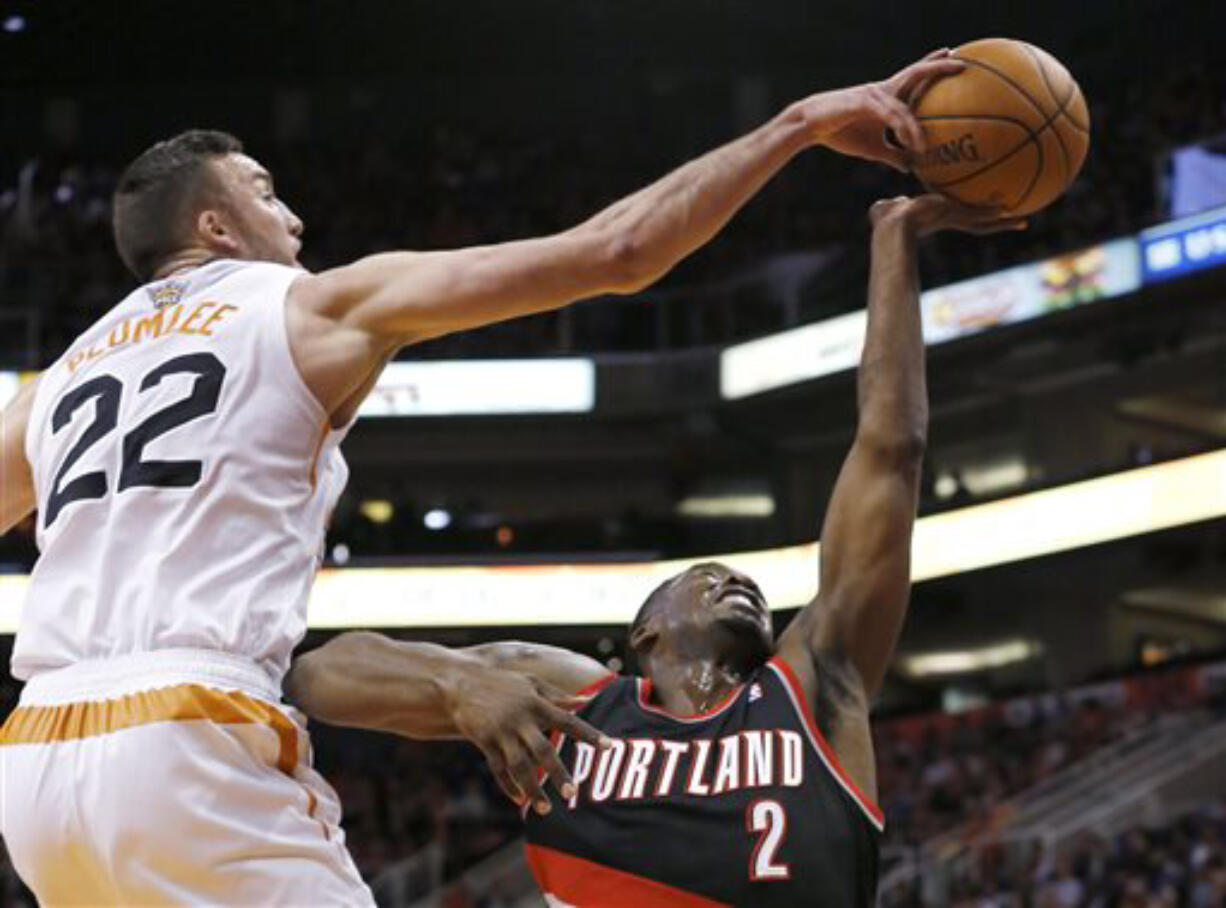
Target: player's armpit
17	497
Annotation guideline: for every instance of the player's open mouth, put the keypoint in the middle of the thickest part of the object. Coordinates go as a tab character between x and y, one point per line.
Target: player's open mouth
742	600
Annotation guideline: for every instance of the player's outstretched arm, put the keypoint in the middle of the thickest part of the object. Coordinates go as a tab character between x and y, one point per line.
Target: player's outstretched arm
505	698
866	539
392	299
16	481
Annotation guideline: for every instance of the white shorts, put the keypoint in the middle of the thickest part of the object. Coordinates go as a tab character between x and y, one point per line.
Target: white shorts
168	778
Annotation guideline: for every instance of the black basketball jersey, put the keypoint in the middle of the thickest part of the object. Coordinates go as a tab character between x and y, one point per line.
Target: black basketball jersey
743	805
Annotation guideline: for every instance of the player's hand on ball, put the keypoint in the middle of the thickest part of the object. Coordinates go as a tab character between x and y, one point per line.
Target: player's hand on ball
926	214
854	121
509	717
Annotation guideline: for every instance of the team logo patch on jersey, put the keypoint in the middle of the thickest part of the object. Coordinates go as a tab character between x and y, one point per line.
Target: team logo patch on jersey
166	293
755	692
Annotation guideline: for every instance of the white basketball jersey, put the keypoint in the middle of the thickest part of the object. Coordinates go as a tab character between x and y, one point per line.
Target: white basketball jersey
184	473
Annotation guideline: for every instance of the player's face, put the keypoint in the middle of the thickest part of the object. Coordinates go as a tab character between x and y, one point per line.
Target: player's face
712	598
262	227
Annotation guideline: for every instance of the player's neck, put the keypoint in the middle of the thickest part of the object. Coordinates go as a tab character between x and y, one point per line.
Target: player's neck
186	260
691	686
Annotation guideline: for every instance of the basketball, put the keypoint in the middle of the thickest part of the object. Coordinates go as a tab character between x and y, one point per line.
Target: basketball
1009	131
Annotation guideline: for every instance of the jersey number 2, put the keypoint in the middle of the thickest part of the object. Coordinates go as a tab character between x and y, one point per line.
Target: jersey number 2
768	820
135	471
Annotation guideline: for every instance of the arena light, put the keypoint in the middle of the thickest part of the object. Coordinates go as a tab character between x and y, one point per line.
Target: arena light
721	506
11	382
377	510
483	387
956	662
1027	526
436	519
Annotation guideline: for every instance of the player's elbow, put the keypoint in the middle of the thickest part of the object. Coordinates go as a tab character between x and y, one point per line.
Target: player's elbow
625	261
901	448
300	681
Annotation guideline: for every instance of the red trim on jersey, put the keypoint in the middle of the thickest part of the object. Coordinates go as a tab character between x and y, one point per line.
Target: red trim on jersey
644	687
590	885
596	686
825	751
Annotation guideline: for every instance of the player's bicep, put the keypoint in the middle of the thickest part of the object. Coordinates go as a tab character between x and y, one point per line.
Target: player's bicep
413	296
568	671
17	497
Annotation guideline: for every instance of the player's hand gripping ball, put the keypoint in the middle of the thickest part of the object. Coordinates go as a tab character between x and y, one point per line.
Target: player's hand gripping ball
1008	132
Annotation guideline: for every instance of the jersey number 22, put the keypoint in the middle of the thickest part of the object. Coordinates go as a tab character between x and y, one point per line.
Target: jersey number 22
135	470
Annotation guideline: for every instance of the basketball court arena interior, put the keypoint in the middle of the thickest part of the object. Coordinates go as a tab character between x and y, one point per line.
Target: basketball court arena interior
1052	731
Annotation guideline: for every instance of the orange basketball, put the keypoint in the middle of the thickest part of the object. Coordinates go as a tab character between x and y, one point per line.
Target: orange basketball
1010	131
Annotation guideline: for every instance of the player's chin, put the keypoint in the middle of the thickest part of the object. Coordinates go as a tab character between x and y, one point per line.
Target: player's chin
753	643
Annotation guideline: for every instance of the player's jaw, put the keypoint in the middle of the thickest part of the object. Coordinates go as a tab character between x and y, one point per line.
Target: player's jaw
260	227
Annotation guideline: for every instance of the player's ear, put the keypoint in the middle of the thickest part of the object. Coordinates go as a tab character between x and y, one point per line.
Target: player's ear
214	231
644	635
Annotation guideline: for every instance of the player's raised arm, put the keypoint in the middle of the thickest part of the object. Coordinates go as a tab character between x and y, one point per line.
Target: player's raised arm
397	298
503	697
866	539
16	481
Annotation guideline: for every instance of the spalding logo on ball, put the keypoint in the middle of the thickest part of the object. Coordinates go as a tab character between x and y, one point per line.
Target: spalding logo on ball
1010	131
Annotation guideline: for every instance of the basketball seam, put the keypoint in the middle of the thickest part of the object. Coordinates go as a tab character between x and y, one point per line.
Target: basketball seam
1077	126
1031	137
1061	106
1038	64
1008	81
1034	135
1071	92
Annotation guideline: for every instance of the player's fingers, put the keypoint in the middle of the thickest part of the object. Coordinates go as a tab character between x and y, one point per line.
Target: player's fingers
999	225
901	121
522	769
570	724
569	702
503	778
893	152
904	84
546	758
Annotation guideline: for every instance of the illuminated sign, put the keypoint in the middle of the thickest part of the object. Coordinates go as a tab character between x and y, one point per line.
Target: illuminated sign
958	310
483	387
1027	526
459	387
1183	246
1030	291
822	348
9	383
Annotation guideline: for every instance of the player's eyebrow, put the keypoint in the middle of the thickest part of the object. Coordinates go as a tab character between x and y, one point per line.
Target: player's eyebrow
263	175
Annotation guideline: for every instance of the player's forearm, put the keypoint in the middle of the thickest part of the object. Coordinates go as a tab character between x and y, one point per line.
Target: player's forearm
366	680
658	226
892	391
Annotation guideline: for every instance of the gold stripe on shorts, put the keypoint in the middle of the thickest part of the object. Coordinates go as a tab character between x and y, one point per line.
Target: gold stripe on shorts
180	703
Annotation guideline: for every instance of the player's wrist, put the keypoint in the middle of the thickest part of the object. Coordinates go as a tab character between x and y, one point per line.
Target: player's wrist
806	123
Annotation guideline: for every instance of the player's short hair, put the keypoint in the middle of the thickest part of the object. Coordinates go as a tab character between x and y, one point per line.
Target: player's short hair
649	605
159	192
